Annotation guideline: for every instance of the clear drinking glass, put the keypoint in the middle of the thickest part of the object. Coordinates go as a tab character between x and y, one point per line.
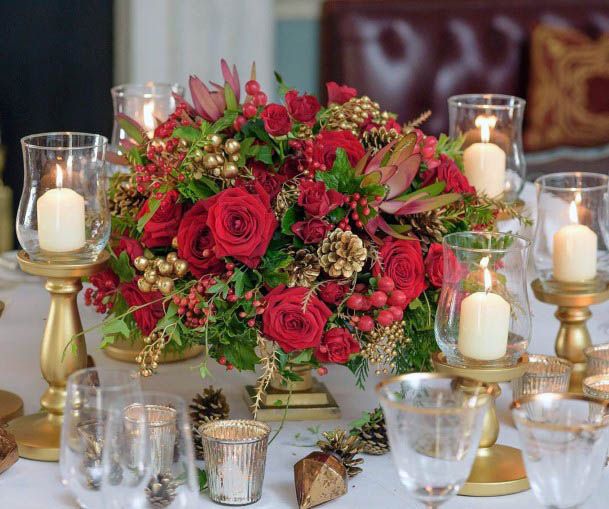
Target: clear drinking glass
483	316
570	249
63	213
90	396
597	359
434	424
162	471
544	373
491	125
564	440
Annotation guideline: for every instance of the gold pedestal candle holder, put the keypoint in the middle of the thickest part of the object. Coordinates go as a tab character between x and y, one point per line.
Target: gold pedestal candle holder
573	312
63	351
11	405
498	469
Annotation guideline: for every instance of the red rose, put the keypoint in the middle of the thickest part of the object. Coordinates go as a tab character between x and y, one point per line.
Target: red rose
316	199
196	243
402	261
148	316
434	264
302	108
132	247
241	223
312	231
292	166
337	345
339	94
287	323
448	171
271	182
162	227
333	293
327	143
276	120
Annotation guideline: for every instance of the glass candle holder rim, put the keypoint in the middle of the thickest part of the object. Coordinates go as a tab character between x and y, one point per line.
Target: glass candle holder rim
480	397
540	181
591	350
148	406
524	242
590	381
28	141
517	410
463	101
263	427
149	88
557	360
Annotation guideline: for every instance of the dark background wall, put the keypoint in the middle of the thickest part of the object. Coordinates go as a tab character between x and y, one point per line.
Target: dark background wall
55	72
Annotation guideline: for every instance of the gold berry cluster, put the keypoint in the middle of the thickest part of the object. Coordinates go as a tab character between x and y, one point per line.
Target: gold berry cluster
217	158
148	358
159	272
382	344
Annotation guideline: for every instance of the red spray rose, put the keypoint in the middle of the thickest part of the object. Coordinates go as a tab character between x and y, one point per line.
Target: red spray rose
434	264
337	345
131	246
285	322
316	199
333	293
241	223
328	142
196	243
270	182
302	108
276	120
162	227
105	281
339	94
148	316
311	231
448	171
402	261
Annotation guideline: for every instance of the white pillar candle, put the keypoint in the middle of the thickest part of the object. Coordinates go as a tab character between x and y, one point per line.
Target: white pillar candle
484	323
574	251
484	163
61	218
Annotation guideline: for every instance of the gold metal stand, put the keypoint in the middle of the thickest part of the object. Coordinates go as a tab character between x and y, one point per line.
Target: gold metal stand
498	469
38	434
573	312
125	351
306	400
11	405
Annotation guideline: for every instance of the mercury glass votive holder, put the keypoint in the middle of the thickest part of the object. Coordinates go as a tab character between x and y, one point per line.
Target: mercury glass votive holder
597	360
596	387
235	456
544	373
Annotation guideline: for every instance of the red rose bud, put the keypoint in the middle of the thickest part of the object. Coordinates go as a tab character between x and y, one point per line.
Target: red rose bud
434	265
311	231
328	142
339	94
302	108
333	293
337	345
276	120
162	227
149	303
316	199
378	299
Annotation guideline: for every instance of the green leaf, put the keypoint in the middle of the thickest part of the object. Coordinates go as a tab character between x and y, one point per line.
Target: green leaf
432	190
230	98
341	176
336	215
131	128
242	356
225	122
115	326
196	190
288	219
263	153
283	88
204	371
303	357
187	133
202	479
239	277
121	266
153	206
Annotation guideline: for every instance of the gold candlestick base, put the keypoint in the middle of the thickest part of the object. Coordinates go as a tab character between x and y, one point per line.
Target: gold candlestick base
61	354
573	301
498	469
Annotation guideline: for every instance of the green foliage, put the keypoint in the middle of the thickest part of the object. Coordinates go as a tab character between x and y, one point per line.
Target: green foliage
359	367
272	267
121	266
288	219
188	133
452	147
341	176
230	98
196	190
202	474
153	206
282	87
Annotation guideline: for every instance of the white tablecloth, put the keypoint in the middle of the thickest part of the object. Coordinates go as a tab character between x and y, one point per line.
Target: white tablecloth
32	484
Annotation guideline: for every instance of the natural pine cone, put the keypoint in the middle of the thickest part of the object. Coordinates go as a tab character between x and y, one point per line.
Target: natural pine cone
345	447
373	433
210	405
125	201
376	138
342	253
304	270
427	227
161	490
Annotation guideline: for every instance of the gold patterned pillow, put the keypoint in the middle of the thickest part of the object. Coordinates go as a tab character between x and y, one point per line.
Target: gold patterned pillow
568	99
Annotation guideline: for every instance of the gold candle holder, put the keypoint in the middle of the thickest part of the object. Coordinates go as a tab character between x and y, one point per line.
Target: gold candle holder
573	312
11	405
63	351
498	469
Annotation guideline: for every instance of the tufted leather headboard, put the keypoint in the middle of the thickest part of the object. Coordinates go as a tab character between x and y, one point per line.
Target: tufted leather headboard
411	55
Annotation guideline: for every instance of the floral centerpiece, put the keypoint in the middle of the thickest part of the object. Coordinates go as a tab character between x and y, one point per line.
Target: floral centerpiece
283	233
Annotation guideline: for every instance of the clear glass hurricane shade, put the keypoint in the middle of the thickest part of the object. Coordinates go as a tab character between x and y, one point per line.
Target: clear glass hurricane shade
491	127
160	471
91	393
434	424
63	213
570	245
147	104
564	439
483	316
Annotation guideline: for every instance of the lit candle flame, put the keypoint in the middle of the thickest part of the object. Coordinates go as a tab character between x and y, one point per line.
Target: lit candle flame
485	123
58	176
488	282
573	212
149	115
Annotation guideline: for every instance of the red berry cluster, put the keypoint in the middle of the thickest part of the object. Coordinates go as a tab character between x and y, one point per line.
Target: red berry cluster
388	303
98	297
358	206
193	307
303	154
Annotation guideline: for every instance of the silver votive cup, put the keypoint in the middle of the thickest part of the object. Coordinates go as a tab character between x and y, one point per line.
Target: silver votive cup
597	358
597	387
544	373
161	426
235	456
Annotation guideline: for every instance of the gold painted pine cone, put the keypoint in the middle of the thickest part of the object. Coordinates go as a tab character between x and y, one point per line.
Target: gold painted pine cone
342	253
345	447
304	270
